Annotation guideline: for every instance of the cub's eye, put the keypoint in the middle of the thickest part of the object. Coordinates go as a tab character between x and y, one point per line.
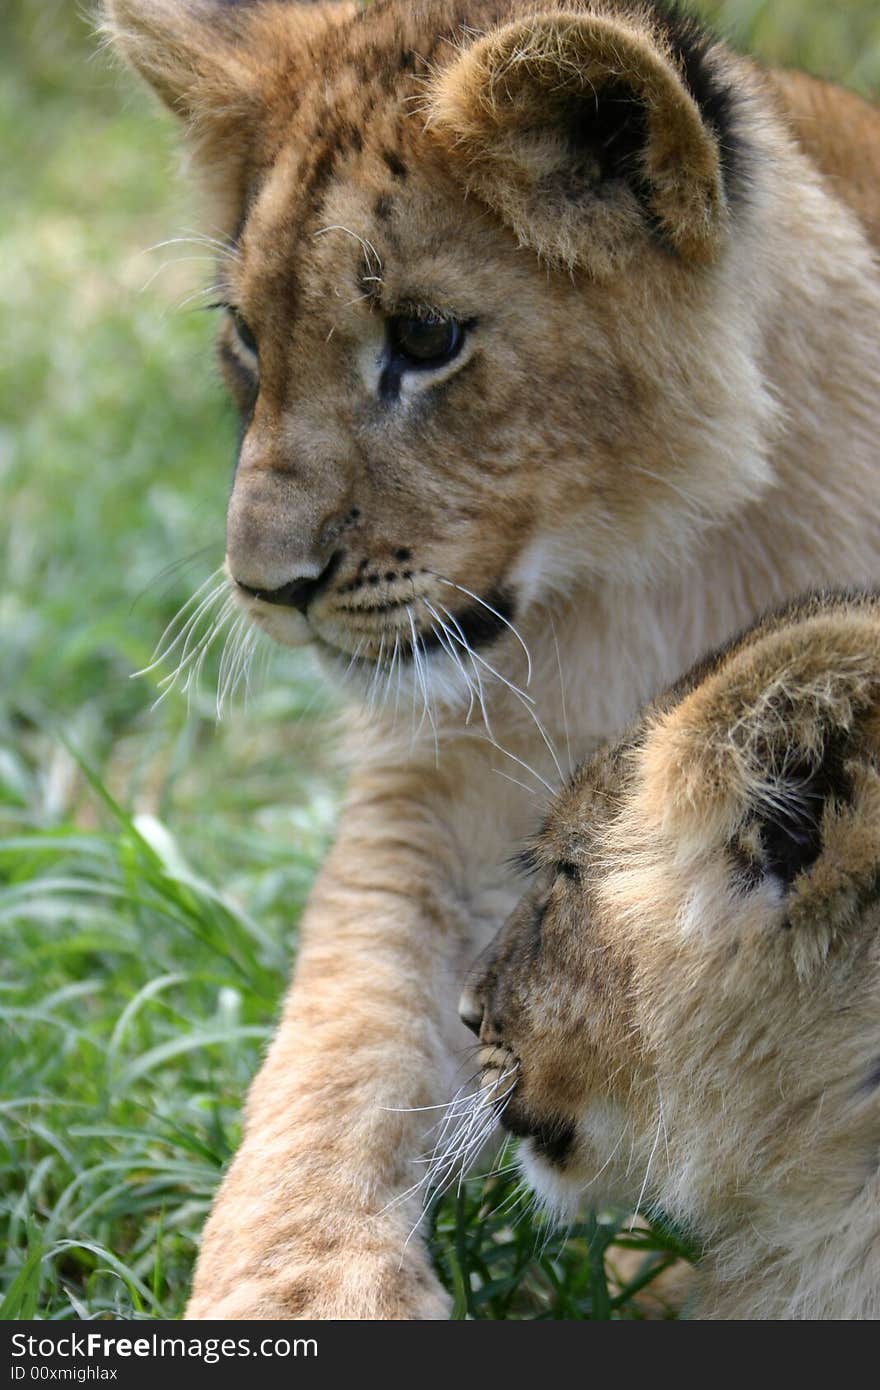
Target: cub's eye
425	342
245	336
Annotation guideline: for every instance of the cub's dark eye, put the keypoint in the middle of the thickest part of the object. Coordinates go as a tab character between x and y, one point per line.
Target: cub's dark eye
246	337
428	341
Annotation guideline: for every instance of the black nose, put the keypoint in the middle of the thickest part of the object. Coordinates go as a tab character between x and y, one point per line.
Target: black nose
470	1011
298	593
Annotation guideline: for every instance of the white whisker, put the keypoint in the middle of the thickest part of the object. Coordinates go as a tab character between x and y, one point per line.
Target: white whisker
500	616
368	248
562	696
644	1186
466	647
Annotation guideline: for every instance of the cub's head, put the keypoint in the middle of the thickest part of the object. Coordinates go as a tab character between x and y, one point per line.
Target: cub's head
683	1010
481	277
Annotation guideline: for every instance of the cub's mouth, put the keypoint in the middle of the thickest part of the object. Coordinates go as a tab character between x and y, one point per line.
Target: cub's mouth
550	1137
551	1140
370	615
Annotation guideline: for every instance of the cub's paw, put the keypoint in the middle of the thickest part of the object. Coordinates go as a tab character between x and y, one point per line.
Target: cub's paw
357	1287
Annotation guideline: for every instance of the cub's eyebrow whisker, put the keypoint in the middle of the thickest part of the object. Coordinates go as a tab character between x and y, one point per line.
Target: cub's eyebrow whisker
166	264
227	249
368	248
214	290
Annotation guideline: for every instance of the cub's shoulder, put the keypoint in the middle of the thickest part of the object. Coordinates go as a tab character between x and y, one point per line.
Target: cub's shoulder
840	132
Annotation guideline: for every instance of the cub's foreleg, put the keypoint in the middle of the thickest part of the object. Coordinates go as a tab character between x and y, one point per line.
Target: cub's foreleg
302	1226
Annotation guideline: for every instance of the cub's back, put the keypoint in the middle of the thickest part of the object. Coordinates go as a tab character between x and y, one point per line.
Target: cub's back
840	132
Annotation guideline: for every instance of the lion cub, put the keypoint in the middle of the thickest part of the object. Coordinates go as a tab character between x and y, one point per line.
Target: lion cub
688	999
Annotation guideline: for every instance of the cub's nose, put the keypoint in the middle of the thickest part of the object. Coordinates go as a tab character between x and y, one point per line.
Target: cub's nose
470	1011
297	593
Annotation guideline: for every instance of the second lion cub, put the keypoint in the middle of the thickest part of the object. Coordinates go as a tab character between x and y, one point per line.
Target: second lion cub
684	1010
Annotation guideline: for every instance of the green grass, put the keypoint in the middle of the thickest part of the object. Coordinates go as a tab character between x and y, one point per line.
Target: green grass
153	866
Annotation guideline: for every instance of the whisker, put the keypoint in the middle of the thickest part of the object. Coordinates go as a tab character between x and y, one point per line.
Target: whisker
515	780
173	260
466	646
369	249
562	696
644	1186
494	611
419	666
520	695
161	653
445	638
226	249
203	293
168	570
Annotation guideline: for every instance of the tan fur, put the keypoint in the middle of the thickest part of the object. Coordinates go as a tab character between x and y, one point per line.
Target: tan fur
840	133
524	76
690	990
638	452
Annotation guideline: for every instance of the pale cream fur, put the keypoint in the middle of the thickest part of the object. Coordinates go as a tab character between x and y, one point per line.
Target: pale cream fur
647	448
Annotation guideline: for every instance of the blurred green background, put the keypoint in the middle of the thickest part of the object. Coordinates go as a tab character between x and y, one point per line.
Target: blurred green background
152	863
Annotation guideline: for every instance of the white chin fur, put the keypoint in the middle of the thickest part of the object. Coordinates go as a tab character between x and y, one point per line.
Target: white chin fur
436	678
559	1195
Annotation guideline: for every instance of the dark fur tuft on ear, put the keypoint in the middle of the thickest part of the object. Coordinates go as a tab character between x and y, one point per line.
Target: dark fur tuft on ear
591	133
791	809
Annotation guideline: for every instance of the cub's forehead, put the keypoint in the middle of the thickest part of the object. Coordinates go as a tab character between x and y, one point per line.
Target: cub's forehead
356	181
587	804
356	109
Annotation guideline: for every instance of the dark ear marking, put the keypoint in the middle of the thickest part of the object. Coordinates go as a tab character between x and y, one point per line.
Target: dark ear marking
395	164
714	93
790	822
585	131
566	869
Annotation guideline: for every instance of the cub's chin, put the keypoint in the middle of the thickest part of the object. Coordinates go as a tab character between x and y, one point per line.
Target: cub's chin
558	1192
590	1159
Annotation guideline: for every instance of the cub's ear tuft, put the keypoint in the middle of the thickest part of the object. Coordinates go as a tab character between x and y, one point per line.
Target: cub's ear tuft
590	135
230	69
189	51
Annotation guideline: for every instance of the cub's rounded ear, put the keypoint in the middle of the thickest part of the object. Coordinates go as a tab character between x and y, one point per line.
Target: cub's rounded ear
584	135
772	753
